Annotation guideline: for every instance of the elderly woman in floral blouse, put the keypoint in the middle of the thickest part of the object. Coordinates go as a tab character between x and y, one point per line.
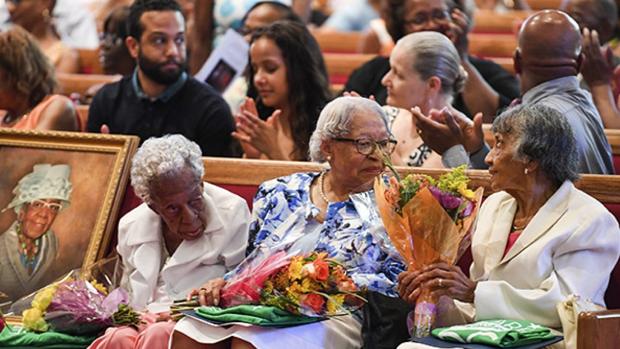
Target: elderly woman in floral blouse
332	211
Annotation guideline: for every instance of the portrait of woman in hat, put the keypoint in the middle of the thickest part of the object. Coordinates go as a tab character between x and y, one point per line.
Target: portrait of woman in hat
29	247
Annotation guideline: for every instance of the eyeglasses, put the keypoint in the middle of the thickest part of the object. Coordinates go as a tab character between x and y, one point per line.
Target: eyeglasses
40	204
367	146
436	15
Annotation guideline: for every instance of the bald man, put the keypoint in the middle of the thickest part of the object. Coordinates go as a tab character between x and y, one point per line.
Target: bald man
547	59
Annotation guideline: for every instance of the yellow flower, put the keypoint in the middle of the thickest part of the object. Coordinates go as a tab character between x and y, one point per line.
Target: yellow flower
99	286
295	268
43	298
32	319
334	303
464	191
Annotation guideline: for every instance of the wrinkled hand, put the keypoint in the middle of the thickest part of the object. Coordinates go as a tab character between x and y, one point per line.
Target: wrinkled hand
257	136
597	67
441	279
459	28
443	129
209	293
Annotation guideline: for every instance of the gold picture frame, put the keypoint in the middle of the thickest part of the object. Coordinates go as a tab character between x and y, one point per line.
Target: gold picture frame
96	166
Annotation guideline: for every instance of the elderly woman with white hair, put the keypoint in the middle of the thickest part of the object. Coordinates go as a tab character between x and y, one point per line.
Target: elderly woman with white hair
425	73
185	233
332	211
28	248
537	240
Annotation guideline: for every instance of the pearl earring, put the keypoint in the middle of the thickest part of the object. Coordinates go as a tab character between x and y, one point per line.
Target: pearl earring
329	157
526	171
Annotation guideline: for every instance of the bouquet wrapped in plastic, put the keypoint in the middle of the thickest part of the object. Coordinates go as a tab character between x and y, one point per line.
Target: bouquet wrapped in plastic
310	285
428	220
78	306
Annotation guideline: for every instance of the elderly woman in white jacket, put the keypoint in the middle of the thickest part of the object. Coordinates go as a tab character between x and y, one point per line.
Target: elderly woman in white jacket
538	239
186	233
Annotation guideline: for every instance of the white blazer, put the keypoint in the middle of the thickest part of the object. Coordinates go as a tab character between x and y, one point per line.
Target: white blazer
149	279
569	247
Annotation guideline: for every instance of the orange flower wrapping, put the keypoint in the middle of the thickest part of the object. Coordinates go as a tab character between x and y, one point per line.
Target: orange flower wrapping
423	234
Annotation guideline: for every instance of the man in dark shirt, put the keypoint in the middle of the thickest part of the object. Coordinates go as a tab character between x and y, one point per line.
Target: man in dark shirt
159	97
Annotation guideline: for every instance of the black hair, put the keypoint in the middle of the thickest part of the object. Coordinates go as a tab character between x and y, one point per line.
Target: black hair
306	77
139	7
285	11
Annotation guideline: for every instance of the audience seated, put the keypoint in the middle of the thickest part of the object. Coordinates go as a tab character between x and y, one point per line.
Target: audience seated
261	14
425	73
189	231
213	18
114	55
329	211
74	23
36	17
356	15
548	59
288	76
159	97
536	241
489	87
27	85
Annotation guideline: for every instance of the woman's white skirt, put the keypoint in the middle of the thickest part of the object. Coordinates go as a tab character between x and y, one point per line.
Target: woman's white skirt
339	332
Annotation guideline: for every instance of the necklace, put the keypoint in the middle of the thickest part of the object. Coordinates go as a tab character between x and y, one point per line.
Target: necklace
321	192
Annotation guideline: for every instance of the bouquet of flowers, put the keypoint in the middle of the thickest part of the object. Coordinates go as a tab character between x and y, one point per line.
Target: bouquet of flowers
79	303
428	220
310	285
78	307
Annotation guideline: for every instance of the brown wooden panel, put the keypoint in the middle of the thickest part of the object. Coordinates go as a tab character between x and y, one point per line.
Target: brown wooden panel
345	63
80	83
492	45
544	4
339	42
489	21
89	61
600	330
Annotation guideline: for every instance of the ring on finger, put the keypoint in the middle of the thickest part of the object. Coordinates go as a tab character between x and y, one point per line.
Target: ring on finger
440	282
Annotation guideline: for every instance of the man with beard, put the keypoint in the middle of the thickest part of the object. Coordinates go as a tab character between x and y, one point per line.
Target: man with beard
159	97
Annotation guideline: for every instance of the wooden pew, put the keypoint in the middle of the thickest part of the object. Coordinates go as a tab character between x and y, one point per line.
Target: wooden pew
82	113
89	61
544	4
339	42
492	45
80	83
491	22
600	330
340	65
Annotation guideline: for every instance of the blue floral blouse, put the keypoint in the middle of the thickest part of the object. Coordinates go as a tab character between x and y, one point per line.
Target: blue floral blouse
352	231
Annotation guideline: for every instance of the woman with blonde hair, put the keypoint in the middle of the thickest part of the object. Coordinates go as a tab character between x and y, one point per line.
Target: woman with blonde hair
27	84
425	73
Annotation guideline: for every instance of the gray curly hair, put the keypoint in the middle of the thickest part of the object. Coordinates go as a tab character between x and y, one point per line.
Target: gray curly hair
163	157
434	54
542	134
335	121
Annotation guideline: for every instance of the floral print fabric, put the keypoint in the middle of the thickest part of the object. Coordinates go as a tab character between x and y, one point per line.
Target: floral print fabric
351	233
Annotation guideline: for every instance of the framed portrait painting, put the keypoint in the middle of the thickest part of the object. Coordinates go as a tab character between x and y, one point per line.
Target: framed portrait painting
60	193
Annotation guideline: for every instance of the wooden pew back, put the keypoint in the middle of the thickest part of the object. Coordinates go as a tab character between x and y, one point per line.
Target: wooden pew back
80	83
89	61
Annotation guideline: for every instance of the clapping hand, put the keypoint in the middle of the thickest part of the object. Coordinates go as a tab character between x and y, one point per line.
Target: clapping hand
597	67
445	128
459	28
257	137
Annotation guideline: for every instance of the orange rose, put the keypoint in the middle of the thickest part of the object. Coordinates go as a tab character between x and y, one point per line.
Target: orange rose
321	270
314	302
